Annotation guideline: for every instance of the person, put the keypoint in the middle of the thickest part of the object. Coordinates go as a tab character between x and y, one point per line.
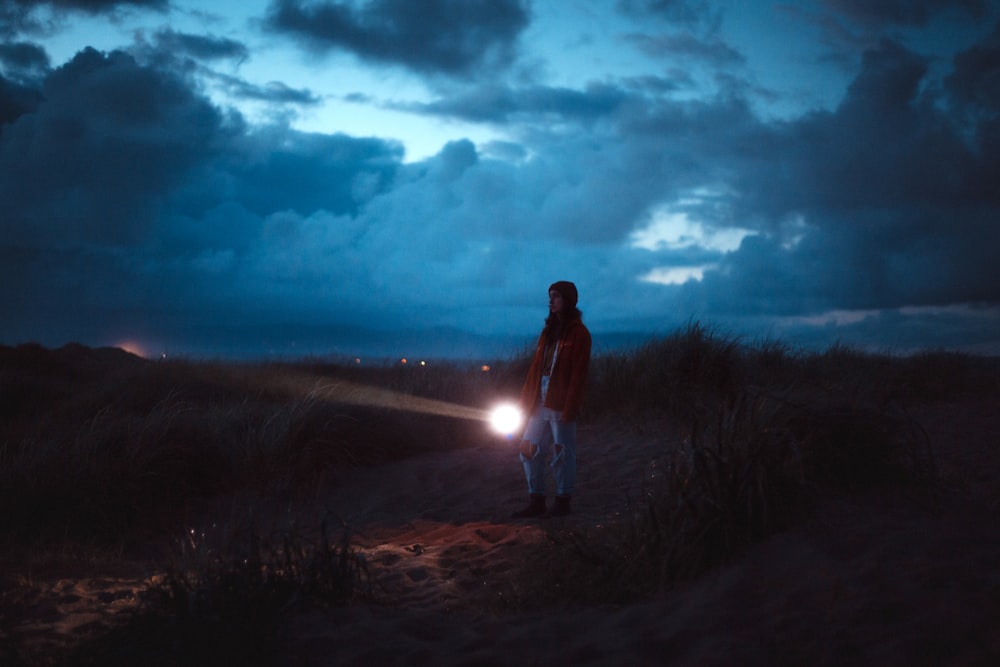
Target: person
552	395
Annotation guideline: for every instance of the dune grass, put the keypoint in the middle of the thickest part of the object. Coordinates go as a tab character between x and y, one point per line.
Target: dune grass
105	447
764	432
102	453
223	597
104	450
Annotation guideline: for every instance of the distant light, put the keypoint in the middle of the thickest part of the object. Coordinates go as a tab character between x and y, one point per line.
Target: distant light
486	369
403	361
357	360
132	347
423	363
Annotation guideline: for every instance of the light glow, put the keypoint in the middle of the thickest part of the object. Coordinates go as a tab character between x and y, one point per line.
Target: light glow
132	347
506	418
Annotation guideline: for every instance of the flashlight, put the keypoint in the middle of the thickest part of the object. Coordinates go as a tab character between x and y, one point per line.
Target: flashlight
505	419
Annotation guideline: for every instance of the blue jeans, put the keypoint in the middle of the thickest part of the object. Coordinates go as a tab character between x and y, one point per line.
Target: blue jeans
549	441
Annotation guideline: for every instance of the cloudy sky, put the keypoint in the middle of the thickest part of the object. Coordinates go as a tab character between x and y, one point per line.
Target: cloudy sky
247	178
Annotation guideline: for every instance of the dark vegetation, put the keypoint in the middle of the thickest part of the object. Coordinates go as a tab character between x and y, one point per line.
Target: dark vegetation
103	446
765	432
103	452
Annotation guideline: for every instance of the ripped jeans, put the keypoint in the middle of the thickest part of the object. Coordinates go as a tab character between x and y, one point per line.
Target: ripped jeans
548	441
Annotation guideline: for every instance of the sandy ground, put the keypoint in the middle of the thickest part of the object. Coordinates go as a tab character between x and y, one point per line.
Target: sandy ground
878	579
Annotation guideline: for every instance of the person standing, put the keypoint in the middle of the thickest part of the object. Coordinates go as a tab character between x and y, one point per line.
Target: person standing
552	395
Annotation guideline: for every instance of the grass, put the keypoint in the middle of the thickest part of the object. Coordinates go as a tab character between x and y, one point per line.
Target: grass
106	451
117	448
764	433
223	599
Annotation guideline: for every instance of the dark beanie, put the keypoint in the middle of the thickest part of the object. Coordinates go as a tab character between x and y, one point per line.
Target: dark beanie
568	291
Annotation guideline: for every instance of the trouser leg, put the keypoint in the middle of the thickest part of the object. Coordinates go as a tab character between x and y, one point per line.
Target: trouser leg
564	457
536	447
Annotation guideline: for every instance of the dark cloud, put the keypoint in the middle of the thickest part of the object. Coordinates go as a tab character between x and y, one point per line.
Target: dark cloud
109	131
682	34
44	17
888	146
15	101
133	204
274	92
17	21
676	11
659	85
881	204
434	36
92	6
501	103
687	47
969	328
883	13
22	64
183	53
309	172
975	80
201	47
24	58
888	199
358	98
974	87
889	80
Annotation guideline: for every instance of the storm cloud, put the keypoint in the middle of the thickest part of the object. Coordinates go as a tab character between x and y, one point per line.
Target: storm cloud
445	36
137	203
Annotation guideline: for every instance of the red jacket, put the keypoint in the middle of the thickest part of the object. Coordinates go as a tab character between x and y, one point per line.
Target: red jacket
569	375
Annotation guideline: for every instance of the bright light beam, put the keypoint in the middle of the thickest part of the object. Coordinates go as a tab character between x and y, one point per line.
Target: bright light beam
355	394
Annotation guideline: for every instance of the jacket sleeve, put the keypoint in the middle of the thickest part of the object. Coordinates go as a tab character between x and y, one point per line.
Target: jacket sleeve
579	367
532	388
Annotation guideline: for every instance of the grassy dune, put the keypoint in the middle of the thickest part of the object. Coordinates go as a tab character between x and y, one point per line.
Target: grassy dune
106	456
103	447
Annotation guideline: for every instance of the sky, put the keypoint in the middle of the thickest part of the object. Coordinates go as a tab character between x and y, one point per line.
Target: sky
390	178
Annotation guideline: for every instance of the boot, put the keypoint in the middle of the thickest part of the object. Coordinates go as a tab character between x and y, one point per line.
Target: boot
561	506
535	507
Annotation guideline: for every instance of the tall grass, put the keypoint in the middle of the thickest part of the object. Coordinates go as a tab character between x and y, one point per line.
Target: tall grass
102	452
225	596
759	434
105	447
680	375
98	446
727	484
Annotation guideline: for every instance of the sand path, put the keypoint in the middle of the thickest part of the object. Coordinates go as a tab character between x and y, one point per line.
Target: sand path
876	579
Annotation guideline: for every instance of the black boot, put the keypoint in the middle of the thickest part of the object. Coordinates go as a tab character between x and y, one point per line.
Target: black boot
535	507
561	507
